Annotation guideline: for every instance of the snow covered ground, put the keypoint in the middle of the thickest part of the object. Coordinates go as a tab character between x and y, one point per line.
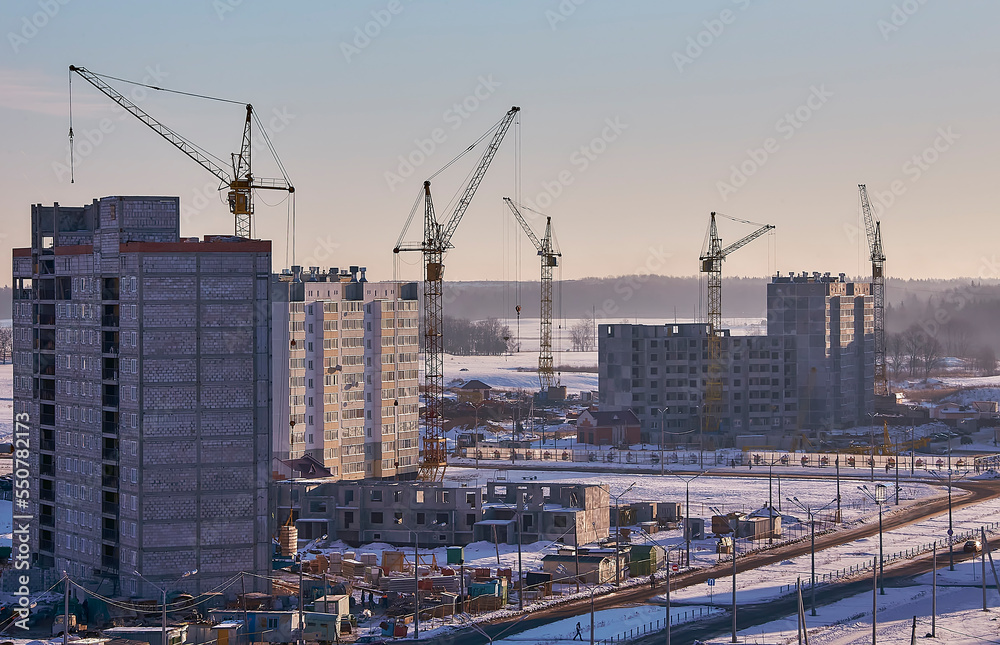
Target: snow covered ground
608	624
960	618
519	370
744	494
775	580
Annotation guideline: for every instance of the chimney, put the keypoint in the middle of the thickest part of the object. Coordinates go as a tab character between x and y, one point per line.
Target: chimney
363	278
354	274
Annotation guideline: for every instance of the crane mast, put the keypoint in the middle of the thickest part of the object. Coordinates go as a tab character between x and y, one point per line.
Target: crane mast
437	240
239	179
873	229
549	258
711	264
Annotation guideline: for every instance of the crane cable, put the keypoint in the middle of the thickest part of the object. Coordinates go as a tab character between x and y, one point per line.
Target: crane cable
399	241
165	89
72	163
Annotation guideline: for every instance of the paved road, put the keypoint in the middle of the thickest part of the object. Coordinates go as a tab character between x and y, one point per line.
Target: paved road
980	491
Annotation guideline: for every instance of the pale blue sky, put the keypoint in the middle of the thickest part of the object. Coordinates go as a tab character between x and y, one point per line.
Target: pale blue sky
873	95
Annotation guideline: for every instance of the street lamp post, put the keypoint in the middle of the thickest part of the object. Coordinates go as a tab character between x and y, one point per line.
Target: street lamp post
811	514
618	532
836	462
663	432
562	569
163	591
416	575
878	496
734	526
666	556
687	513
951	527
871	434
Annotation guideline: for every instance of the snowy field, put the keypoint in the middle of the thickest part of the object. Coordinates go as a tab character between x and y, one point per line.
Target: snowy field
743	494
960	618
520	370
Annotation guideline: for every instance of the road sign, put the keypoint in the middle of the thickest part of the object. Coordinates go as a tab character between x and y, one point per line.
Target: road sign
711	582
950	533
675	567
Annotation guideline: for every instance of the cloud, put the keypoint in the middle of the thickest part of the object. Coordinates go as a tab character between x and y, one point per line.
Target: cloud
29	91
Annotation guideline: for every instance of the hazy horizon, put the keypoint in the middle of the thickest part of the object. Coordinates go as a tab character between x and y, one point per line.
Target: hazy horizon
637	120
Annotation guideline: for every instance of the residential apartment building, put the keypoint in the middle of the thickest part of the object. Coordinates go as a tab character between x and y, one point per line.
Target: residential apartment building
831	323
813	369
142	361
660	372
346	372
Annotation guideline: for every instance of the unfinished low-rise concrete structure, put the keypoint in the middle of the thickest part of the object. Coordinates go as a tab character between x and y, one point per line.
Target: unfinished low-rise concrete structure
568	513
383	511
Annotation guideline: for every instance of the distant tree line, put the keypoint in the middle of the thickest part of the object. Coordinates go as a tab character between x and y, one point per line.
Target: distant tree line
476	337
958	322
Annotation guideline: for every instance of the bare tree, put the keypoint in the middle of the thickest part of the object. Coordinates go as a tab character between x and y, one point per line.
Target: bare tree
581	335
6	344
959	335
986	360
895	354
912	340
931	353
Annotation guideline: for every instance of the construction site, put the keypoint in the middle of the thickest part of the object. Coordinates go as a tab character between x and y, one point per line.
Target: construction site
231	447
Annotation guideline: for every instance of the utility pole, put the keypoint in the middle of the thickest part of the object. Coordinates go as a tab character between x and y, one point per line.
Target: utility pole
302	626
874	601
246	621
934	591
520	571
735	528
836	462
66	608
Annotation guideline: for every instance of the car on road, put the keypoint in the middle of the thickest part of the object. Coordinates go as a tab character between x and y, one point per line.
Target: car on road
973	546
372	639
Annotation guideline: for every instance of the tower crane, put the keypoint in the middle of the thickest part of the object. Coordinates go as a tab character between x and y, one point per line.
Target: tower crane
711	264
239	178
549	258
877	256
437	241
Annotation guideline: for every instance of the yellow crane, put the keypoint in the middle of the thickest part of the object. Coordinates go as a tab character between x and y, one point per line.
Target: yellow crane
549	257
239	179
711	264
437	240
873	228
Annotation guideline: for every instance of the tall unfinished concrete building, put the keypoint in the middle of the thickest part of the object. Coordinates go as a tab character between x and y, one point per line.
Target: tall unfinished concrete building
814	369
346	372
143	361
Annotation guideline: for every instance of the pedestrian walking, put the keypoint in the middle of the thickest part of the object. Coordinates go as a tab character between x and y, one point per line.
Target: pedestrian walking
579	633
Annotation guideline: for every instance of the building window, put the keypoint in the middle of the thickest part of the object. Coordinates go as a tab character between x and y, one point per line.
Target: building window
376	496
376	517
559	521
421	518
441	519
470	519
420	497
